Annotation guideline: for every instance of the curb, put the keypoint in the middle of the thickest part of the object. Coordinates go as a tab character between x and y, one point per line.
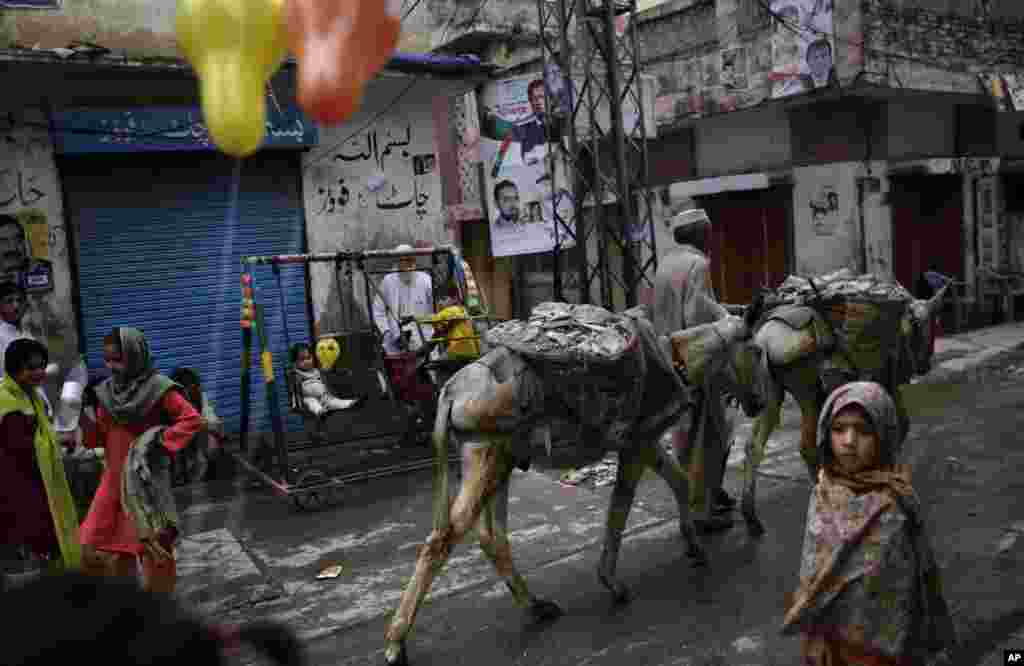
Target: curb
962	366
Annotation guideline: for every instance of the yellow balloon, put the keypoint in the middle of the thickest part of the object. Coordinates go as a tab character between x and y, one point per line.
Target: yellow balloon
327	352
234	46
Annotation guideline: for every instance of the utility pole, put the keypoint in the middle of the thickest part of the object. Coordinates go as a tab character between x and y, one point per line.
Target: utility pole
596	152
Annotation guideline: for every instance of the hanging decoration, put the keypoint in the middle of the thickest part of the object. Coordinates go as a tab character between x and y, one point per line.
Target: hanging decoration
234	47
340	46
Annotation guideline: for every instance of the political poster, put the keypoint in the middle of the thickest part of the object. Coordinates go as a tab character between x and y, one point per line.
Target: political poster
520	126
803	47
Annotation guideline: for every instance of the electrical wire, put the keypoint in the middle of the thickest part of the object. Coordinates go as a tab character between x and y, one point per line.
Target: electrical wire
411	9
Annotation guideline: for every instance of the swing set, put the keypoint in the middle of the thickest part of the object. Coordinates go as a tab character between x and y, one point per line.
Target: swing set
397	392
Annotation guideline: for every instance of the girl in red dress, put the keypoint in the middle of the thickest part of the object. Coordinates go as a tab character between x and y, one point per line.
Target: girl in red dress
135	399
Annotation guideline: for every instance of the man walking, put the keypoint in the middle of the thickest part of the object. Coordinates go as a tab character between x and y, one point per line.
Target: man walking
684	298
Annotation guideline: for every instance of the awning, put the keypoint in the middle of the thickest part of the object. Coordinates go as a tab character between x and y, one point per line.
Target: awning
739	183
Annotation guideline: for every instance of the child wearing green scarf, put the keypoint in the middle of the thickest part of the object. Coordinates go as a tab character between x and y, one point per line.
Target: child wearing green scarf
37	510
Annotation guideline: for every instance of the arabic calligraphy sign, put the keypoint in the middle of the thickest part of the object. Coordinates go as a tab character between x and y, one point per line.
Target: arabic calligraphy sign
379	165
162	129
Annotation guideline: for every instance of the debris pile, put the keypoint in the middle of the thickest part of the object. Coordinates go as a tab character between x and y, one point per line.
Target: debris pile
842	284
864	311
566	331
602	473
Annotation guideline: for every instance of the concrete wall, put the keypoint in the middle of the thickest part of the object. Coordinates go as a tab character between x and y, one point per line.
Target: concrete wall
753	140
941	44
438	22
708	58
825	217
1010	134
342	209
30	190
142	29
920	128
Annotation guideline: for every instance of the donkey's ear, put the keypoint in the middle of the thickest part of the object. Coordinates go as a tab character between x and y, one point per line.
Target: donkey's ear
935	302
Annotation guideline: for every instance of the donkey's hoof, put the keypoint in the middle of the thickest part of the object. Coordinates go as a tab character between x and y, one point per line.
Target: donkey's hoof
697	553
542	610
394	654
755	527
620	593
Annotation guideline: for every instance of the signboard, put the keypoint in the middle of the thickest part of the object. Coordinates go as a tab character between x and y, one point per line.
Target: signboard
164	129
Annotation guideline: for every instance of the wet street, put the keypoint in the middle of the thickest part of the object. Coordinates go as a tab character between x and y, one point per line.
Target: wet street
248	554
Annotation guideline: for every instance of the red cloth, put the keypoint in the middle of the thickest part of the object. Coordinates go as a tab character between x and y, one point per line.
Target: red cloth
107	527
25	518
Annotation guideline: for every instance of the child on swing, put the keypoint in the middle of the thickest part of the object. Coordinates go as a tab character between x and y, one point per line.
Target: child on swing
313	391
869	590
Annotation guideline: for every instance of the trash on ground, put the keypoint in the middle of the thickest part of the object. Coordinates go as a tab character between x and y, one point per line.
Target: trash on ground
331	572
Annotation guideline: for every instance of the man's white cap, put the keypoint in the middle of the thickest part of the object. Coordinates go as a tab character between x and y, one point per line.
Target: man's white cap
689	218
404	247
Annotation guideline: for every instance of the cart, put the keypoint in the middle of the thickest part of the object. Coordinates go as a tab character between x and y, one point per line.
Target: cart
397	392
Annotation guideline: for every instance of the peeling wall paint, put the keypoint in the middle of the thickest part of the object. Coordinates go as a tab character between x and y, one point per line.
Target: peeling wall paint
138	27
30	190
758	140
825	217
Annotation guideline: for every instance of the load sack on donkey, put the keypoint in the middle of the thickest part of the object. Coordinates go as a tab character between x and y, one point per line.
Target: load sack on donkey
862	320
593	358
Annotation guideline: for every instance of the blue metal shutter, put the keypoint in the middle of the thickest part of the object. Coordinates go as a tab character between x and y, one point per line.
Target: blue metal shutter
157	251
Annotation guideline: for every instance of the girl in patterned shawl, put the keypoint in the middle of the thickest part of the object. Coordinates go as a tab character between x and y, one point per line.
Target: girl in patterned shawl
869	592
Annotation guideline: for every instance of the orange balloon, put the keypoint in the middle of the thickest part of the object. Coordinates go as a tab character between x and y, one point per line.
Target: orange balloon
340	45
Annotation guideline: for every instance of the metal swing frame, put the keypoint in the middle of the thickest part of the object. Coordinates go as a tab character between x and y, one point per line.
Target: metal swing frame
315	486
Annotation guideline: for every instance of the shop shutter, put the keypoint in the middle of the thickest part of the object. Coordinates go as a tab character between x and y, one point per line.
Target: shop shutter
157	249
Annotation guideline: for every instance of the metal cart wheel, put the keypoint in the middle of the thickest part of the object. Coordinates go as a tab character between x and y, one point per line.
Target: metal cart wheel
314	499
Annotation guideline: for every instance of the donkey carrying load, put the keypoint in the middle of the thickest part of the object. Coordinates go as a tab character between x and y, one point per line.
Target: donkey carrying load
617	380
817	333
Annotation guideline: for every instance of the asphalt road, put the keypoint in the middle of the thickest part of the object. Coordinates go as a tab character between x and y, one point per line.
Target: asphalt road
249	555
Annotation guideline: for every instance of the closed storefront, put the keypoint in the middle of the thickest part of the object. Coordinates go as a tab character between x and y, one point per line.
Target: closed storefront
927	226
750	240
159	235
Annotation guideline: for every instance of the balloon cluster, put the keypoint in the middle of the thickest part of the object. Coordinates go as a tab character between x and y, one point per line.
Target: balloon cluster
235	46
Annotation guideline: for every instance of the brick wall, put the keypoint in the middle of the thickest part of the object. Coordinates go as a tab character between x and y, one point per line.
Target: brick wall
914	46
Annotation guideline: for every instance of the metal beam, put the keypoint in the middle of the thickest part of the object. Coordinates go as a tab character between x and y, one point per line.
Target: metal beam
596	150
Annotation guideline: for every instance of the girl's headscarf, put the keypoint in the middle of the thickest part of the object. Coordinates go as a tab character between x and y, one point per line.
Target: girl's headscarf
881	411
852	547
130	395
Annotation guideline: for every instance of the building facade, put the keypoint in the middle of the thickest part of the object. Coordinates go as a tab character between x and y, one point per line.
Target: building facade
129	216
831	134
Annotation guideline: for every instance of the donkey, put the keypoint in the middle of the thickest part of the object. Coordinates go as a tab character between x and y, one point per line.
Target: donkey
491	407
797	346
